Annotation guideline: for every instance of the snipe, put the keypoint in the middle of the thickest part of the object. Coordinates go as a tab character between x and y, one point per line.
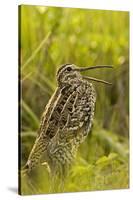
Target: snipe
66	121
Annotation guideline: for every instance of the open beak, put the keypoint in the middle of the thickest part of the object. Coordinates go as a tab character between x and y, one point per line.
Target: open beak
94	67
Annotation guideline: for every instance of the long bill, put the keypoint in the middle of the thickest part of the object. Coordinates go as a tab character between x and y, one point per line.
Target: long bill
94	67
82	69
97	80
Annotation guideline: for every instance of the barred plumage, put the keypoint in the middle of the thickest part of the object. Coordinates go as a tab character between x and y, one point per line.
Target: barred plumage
66	121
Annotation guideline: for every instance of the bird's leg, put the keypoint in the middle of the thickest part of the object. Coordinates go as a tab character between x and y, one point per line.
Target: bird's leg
63	176
61	184
61	180
53	182
57	180
51	178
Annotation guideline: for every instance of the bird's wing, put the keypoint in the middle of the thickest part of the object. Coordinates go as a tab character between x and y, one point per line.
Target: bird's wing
47	112
78	109
51	117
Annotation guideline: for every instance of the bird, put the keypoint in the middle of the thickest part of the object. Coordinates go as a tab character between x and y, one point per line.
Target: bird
66	120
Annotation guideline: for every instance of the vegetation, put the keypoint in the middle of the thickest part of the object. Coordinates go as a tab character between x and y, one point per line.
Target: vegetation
50	37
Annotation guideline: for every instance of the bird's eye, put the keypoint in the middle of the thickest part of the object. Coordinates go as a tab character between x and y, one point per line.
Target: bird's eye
69	69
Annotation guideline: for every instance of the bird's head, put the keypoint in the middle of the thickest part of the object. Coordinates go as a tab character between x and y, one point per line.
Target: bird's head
66	73
70	72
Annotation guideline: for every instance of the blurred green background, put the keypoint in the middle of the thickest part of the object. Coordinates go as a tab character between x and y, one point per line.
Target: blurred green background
51	36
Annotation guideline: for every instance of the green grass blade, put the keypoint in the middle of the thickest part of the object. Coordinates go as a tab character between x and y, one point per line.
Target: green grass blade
45	89
26	76
43	42
105	138
30	113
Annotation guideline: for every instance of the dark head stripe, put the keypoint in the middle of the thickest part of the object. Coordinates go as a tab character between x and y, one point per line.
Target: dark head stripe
62	67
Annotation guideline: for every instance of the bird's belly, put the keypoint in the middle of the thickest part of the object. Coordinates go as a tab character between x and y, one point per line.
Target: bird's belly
60	154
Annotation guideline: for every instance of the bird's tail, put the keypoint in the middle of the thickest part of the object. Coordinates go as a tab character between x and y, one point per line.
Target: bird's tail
35	155
25	170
